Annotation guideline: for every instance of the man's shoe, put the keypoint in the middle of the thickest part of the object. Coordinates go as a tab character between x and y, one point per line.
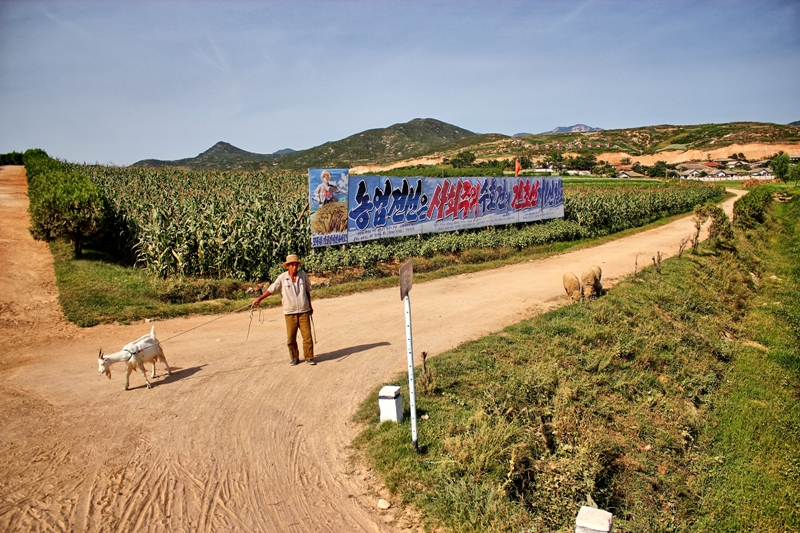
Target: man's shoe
294	362
312	362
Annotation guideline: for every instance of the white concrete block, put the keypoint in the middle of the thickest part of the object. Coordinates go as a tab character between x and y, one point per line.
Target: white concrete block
391	403
591	520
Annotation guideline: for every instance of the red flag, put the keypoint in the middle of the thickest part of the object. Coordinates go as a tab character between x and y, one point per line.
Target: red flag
517	168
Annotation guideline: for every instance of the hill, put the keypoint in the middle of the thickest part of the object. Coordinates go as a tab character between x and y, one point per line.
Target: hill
575	128
221	156
379	146
636	142
399	141
795	123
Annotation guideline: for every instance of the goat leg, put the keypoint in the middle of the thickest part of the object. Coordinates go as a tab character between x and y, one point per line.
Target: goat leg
144	373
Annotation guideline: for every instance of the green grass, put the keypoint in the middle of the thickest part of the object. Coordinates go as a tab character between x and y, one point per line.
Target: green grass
647	401
683	147
94	290
755	485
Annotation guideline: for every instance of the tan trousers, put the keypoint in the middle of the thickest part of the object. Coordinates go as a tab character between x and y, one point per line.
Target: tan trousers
301	321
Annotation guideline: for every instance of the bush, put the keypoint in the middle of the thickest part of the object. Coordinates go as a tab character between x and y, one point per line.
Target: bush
64	203
749	210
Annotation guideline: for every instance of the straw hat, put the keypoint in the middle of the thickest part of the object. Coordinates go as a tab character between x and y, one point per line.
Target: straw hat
292	258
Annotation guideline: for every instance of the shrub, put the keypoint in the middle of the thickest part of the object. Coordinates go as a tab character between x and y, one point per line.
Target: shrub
63	202
749	210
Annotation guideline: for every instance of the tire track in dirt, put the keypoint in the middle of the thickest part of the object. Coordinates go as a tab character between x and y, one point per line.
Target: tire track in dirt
235	439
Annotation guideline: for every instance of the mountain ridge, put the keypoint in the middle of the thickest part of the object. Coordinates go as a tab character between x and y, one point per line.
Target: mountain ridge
575	128
431	141
410	139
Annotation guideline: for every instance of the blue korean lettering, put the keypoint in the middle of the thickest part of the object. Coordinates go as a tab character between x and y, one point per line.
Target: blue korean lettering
360	214
381	203
397	211
502	195
416	204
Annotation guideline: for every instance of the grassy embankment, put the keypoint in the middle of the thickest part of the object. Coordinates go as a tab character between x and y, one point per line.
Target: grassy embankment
671	401
95	290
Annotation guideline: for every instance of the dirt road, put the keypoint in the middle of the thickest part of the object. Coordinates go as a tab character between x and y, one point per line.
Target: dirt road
235	439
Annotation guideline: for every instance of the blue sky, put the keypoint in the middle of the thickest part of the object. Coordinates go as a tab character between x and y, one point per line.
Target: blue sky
116	82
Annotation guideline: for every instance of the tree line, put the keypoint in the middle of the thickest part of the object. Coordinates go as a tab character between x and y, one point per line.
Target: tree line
11	158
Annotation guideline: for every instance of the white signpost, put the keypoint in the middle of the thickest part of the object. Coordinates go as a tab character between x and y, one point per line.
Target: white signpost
406	277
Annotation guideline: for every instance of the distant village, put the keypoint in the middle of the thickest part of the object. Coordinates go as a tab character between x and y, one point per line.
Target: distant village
736	168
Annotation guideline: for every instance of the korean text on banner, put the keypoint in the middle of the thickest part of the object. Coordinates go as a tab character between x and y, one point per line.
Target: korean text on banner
385	206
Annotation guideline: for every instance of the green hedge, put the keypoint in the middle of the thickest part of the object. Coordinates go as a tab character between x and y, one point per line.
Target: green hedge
64	203
749	210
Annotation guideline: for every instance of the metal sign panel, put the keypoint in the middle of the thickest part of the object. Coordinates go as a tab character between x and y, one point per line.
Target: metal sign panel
406	278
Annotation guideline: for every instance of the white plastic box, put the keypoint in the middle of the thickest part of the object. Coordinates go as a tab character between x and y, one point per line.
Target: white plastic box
591	520
391	403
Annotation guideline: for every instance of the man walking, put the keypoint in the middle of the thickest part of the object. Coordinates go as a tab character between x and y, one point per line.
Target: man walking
295	292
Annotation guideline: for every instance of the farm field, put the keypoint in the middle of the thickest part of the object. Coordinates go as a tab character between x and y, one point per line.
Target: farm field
196	240
235	439
242	225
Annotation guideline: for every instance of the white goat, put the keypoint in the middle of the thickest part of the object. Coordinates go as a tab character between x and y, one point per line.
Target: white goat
146	349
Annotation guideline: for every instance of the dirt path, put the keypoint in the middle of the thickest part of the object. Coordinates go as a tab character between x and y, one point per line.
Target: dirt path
235	439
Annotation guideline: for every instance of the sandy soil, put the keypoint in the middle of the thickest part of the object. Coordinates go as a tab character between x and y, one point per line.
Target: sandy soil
235	439
753	152
427	160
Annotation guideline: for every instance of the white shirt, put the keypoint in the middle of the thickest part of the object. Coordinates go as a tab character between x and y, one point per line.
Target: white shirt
294	294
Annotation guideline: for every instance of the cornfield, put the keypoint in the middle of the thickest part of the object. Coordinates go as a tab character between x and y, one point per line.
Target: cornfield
205	224
242	225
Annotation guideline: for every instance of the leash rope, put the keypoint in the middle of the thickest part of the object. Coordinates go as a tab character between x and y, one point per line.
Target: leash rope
260	320
210	321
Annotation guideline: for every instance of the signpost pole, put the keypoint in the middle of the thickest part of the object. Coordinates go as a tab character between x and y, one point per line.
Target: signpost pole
411	393
406	276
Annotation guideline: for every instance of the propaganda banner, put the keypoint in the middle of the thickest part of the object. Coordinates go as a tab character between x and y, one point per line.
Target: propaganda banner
328	205
377	207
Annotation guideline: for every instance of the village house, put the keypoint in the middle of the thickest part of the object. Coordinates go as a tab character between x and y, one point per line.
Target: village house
761	174
692	173
629	174
730	163
721	175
